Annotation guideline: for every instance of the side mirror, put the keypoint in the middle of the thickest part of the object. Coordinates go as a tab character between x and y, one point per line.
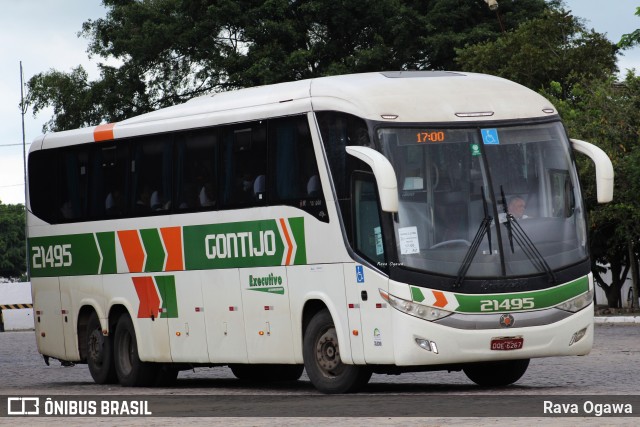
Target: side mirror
604	169
384	173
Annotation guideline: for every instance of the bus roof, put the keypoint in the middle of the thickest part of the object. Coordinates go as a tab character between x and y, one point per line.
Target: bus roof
402	96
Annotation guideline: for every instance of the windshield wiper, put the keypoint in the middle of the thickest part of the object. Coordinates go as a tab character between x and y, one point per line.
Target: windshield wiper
517	233
475	244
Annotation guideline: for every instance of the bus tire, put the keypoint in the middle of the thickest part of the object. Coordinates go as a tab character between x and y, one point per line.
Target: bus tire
132	372
100	353
322	362
267	373
496	374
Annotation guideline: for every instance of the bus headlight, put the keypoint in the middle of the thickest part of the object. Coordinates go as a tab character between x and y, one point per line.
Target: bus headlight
413	308
578	303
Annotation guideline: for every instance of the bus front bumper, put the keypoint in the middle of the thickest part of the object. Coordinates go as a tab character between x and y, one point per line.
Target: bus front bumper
420	342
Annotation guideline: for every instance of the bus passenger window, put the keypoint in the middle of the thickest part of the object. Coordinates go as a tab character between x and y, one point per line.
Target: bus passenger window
243	178
196	171
151	163
293	167
108	193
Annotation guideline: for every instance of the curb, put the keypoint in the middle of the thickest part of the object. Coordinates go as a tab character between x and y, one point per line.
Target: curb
616	319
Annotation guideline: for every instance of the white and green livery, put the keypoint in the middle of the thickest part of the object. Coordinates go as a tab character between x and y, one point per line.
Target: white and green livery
347	225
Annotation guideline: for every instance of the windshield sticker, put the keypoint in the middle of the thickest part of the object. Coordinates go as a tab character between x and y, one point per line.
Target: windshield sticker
377	232
490	136
475	150
408	237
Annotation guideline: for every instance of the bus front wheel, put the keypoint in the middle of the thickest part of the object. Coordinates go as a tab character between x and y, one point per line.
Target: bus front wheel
100	353
496	374
132	372
322	361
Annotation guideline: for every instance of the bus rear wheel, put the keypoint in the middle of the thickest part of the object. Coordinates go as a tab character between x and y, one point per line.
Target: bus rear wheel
496	374
132	372
100	353
321	353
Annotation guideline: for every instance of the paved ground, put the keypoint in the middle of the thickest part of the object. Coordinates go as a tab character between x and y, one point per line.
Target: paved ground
612	369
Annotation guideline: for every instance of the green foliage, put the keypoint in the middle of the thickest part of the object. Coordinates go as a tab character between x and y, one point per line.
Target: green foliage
554	48
607	113
12	241
631	39
173	50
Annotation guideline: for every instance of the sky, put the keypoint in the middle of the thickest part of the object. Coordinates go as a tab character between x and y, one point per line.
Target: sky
43	34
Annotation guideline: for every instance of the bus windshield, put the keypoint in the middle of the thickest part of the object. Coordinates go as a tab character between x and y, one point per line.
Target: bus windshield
486	202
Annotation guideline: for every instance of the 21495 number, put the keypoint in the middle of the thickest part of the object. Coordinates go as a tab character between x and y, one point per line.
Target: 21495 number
51	256
509	304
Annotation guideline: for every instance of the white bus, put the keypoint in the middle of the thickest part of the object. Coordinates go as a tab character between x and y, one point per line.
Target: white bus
347	225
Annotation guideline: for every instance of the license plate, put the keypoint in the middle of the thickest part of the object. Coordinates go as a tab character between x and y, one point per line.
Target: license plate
507	343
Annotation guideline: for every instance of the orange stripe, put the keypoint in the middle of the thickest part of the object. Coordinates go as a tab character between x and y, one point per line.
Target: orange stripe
286	235
132	248
441	299
172	237
103	132
148	296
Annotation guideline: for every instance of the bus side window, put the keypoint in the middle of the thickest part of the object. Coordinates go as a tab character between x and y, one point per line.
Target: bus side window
293	167
44	172
73	185
367	227
151	168
243	166
196	171
108	181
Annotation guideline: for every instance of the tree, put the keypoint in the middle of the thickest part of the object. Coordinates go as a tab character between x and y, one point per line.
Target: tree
173	50
607	113
12	238
631	39
553	48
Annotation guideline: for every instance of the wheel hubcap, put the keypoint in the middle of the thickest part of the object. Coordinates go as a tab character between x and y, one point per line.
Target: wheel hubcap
328	353
95	346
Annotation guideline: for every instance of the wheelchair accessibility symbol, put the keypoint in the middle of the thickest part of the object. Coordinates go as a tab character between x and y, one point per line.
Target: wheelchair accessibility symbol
359	274
490	136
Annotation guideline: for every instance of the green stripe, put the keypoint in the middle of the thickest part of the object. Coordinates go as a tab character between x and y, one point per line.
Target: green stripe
297	229
153	247
107	243
542	299
240	244
167	288
70	255
271	290
416	294
84	253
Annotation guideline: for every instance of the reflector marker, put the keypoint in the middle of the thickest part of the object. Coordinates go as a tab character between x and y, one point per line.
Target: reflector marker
103	132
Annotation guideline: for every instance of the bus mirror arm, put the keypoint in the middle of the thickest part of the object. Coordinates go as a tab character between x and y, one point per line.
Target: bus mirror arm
604	168
384	173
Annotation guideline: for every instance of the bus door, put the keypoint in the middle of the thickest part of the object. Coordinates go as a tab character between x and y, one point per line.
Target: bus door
364	281
48	316
267	316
